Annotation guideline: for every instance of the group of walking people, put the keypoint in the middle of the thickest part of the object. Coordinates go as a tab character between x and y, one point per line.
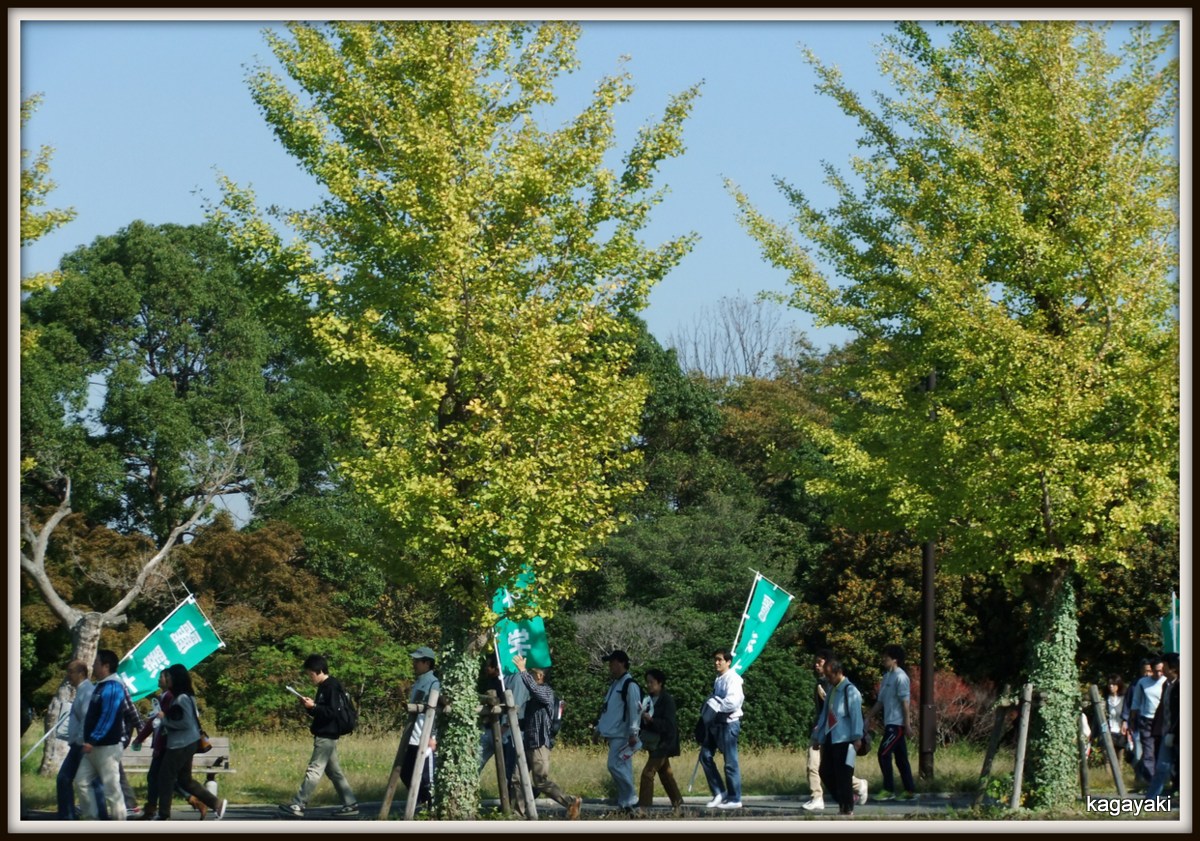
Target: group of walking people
103	721
1143	722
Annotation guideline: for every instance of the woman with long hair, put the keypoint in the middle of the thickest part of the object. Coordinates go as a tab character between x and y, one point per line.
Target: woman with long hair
182	726
1114	700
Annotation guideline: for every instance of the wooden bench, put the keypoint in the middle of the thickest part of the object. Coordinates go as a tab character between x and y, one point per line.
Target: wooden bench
216	761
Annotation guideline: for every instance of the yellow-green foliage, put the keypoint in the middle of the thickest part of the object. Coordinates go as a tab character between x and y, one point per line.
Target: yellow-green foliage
469	276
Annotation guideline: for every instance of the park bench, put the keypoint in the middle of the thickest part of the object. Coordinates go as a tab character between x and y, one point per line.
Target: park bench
215	762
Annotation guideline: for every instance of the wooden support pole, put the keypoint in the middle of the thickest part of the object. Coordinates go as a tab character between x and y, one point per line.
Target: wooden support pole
414	784
522	766
1102	727
1022	737
1002	705
502	771
1083	756
394	777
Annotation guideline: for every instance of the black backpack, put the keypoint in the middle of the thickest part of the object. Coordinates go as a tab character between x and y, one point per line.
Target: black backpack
344	714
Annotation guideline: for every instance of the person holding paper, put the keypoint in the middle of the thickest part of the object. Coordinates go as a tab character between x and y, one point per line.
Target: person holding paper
325	732
838	735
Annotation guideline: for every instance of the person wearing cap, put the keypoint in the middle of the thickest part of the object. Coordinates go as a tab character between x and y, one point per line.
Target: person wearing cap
620	724
423	661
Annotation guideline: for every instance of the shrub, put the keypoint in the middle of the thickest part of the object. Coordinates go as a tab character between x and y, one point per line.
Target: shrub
957	705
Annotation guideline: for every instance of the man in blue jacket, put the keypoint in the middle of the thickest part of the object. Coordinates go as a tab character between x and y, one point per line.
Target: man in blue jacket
105	734
838	734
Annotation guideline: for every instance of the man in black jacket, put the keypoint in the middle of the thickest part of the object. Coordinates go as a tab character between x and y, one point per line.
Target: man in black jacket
1167	759
325	730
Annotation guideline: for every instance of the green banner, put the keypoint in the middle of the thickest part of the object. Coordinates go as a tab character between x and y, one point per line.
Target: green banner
185	637
1170	627
527	637
766	607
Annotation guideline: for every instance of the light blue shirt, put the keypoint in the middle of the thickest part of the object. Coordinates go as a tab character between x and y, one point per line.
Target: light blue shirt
895	695
1146	695
615	722
846	712
79	708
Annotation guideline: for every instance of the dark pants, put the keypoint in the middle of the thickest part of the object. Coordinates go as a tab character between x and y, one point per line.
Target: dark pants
65	784
836	774
424	792
894	744
176	769
1145	768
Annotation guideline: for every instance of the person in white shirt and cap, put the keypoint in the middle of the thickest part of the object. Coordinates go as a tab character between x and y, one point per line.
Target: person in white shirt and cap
426	681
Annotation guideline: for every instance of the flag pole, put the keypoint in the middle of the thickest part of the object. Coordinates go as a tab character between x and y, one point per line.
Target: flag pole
746	609
158	627
49	733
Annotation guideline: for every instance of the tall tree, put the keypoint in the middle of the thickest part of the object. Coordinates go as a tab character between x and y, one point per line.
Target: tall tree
470	276
147	396
1015	233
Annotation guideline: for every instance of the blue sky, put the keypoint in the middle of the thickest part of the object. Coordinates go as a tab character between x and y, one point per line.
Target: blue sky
143	114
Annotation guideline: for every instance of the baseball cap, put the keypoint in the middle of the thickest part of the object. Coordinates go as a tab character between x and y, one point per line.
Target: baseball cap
424	653
618	655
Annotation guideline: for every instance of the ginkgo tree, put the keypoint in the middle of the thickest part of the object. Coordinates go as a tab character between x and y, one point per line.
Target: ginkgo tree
1011	228
470	278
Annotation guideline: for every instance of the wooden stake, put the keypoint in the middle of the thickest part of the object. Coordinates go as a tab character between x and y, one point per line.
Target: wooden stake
1102	723
414	784
1022	737
522	766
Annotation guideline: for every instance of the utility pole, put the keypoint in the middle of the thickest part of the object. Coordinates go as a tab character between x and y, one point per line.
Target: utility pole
928	717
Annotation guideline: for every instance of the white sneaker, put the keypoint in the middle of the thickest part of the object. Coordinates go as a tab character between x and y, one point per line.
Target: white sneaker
715	802
861	793
814	804
730	804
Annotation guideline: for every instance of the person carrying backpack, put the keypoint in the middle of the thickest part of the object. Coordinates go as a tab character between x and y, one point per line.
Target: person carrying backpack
620	725
539	715
332	716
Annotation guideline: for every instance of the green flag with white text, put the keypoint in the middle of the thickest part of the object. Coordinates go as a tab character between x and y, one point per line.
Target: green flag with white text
526	637
765	608
185	636
1170	627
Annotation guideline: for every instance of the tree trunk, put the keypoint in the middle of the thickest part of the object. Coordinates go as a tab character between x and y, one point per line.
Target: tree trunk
456	786
1055	677
85	640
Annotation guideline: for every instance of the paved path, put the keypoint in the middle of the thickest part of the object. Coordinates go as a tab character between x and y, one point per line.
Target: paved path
755	808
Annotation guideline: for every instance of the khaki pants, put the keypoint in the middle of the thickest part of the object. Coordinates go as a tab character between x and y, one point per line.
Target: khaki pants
539	770
662	767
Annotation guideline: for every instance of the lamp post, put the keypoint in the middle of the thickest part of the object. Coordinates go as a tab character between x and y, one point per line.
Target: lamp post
928	716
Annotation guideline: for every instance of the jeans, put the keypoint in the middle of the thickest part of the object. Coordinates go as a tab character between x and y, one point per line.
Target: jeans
894	744
622	771
324	762
727	744
65	783
1147	760
487	749
1164	770
104	762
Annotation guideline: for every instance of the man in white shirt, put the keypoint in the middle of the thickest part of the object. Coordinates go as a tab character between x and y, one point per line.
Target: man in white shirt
723	713
1146	696
620	725
423	660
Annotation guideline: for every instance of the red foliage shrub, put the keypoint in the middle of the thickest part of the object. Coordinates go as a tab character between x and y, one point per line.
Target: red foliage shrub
959	708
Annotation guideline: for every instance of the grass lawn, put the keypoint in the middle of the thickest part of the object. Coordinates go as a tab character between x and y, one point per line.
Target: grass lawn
271	766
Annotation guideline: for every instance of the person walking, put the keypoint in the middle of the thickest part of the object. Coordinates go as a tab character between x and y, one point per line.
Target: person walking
1146	696
77	676
839	734
620	725
894	700
424	660
110	712
722	713
1114	702
660	735
154	731
538	711
1167	759
182	726
325	732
